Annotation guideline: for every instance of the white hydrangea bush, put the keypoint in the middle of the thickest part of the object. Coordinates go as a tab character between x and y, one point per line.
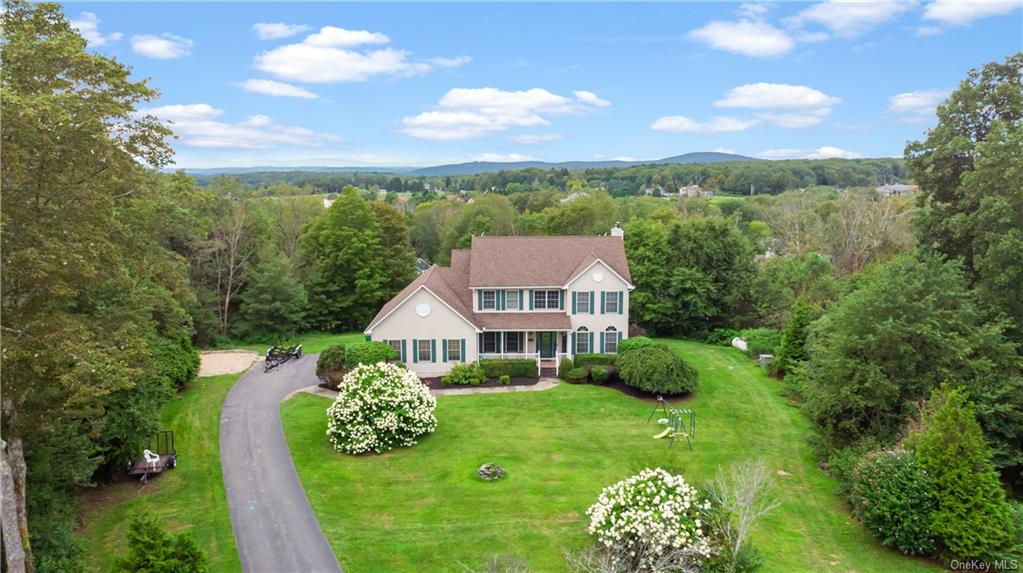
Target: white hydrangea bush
380	407
651	515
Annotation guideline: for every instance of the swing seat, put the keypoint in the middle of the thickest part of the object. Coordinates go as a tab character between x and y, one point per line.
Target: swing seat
663	434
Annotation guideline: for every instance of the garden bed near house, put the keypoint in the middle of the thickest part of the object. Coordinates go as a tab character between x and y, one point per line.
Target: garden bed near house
438	383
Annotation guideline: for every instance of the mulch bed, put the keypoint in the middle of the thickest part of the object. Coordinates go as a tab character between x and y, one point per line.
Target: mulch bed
617	384
438	384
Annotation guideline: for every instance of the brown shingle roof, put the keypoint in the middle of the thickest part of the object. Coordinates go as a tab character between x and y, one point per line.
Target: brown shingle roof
523	320
541	261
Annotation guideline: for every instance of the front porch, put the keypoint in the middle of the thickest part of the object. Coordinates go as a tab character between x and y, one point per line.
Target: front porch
546	347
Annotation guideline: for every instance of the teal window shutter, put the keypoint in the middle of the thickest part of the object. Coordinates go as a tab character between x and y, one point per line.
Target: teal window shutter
602	344
603	300
498	339
591	342
461	354
561	300
444	349
621	302
499	300
572	350
530	299
415	350
479	300
574	297
433	350
591	302
619	337
521	305
404	356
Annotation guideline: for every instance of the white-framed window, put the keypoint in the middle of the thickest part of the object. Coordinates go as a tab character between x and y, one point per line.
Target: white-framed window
511	300
513	342
546	299
490	341
424	351
582	302
489	300
454	350
396	345
611	302
582	340
611	340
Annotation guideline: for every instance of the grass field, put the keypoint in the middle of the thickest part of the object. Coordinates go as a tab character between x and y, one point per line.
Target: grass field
191	496
421	508
312	342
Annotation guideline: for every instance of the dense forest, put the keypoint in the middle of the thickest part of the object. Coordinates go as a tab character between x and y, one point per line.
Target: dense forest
115	272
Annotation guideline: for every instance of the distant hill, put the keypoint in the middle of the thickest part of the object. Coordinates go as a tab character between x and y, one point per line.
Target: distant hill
477	167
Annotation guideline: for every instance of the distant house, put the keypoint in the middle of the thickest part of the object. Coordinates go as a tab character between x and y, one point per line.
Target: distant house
533	298
896	189
693	191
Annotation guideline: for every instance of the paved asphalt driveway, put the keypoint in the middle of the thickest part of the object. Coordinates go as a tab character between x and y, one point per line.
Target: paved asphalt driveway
275	529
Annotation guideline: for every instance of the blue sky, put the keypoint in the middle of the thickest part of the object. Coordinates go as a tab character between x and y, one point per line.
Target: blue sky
422	84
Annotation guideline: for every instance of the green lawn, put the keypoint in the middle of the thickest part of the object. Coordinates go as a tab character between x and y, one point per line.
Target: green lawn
312	342
421	509
191	496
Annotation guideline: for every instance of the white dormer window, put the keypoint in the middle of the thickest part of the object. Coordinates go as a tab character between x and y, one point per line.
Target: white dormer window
512	300
489	300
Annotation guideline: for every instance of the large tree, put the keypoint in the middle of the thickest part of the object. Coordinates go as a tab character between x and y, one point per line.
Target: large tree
969	172
75	305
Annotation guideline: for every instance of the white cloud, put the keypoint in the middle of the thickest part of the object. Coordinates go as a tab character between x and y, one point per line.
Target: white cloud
925	31
850	18
465	113
916	106
682	124
724	150
274	88
163	47
795	119
450	62
776	96
591	98
530	138
623	158
87	25
335	55
198	125
825	152
502	157
277	30
746	37
961	13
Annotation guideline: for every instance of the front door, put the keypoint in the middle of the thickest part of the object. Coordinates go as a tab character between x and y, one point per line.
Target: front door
546	344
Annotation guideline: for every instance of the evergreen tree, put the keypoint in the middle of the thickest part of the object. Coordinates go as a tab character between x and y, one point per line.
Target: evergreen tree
152	549
792	350
274	304
971	515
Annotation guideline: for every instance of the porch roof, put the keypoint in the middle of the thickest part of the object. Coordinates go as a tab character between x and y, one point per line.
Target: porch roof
523	320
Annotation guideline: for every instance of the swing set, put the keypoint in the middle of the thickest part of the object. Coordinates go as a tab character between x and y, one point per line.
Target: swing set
679	424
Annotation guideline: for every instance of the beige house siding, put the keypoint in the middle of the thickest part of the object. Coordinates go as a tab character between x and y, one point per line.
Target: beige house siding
442	323
598	322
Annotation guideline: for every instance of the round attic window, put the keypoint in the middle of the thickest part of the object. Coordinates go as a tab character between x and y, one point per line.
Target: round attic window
423	309
598	276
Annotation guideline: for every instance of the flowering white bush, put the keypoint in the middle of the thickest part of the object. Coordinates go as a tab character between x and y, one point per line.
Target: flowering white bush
379	407
651	515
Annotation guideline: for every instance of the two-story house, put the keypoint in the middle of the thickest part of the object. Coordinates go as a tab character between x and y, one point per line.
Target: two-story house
538	298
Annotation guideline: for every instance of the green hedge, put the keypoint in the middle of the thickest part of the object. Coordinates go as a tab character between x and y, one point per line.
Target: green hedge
368	353
634	343
515	368
565	365
600	374
577	375
658	370
594	359
466	374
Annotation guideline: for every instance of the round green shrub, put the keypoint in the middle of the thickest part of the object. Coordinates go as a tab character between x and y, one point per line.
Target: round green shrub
600	374
368	353
331	360
658	370
577	375
891	494
505	379
466	374
634	343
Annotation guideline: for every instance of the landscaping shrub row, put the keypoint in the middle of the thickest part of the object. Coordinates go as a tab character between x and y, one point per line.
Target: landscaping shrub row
640	363
521	368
